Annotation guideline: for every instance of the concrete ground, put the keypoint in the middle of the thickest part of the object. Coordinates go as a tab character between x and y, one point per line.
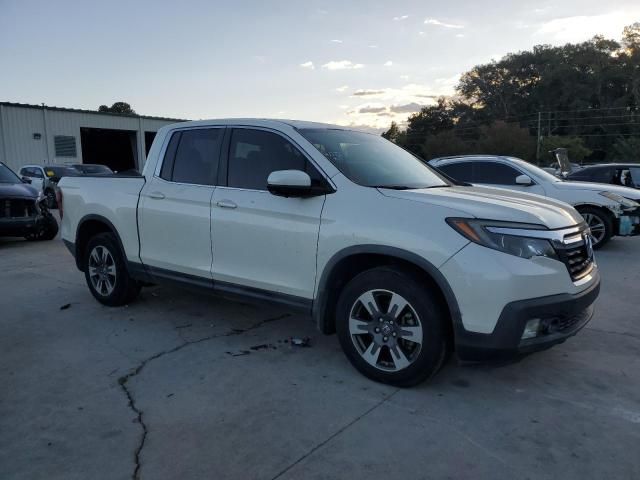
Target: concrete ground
170	387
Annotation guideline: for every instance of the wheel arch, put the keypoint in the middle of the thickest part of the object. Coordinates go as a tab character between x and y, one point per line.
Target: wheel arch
89	226
347	263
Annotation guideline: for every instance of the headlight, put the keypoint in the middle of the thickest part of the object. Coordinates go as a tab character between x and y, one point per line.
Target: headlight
479	231
625	202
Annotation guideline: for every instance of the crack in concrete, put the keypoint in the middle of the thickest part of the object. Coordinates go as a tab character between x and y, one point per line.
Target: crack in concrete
334	435
122	381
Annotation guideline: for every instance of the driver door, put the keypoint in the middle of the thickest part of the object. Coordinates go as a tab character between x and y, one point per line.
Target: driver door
262	241
497	174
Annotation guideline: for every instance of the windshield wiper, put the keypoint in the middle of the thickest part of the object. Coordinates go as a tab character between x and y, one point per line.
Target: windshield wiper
393	187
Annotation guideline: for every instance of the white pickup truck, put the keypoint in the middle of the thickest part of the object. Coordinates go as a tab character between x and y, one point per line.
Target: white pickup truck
345	226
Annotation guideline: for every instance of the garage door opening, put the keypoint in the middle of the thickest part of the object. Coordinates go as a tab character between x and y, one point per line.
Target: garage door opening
148	141
114	148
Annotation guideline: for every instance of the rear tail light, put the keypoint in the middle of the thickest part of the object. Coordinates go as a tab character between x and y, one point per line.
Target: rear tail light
59	202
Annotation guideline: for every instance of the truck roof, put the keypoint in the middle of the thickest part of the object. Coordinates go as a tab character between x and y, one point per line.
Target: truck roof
259	122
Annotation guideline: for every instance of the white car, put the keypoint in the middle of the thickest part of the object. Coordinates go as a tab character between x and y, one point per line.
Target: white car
609	210
345	227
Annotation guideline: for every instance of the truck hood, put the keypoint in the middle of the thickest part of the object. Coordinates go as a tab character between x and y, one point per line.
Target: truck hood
17	190
495	204
626	192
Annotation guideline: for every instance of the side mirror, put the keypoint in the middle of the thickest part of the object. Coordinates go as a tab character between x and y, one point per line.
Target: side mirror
289	183
524	180
26	180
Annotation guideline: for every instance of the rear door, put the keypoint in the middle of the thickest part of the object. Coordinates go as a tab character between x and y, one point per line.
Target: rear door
262	241
174	212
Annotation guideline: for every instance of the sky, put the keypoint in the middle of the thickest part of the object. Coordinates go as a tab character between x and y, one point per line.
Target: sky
360	63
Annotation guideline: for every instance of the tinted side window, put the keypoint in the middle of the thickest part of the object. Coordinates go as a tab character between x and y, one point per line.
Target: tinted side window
37	173
169	156
494	173
604	175
462	171
196	157
254	154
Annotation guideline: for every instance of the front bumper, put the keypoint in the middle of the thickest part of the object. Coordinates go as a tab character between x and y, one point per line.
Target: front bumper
628	224
19	226
565	314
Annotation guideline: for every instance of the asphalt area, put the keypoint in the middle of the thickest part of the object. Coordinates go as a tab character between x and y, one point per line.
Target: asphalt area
178	385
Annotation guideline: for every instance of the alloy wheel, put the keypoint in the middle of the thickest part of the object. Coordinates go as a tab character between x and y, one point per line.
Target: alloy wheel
597	227
386	330
102	270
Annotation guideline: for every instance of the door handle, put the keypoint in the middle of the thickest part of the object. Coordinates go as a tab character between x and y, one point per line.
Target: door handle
226	204
156	195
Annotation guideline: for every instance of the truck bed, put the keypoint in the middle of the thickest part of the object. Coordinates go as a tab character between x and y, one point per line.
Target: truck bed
111	197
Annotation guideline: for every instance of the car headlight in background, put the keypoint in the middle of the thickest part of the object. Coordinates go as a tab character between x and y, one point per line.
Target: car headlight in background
626	203
479	231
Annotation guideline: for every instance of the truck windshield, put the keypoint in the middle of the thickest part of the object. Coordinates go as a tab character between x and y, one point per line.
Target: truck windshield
7	175
372	161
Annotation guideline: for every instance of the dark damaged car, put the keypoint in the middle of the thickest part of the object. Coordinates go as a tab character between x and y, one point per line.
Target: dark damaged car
23	210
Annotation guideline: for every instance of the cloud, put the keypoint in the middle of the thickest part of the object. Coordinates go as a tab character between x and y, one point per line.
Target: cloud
343	88
373	46
421	33
388	63
404	77
372	109
459	35
383	105
365	93
408	108
400	18
336	41
438	23
342	65
582	27
308	65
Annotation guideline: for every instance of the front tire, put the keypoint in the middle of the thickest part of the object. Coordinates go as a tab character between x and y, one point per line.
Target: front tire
600	223
106	272
391	328
46	230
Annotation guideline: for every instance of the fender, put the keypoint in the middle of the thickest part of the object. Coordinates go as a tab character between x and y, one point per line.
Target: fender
319	307
101	219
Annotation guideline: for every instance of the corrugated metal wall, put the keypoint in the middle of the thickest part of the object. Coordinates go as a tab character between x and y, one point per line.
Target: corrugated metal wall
18	124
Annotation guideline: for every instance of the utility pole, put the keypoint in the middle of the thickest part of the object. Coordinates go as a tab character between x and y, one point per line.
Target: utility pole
539	142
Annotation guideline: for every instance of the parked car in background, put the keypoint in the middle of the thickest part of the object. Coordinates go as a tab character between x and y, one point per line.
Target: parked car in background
23	209
45	178
623	174
609	210
92	169
346	227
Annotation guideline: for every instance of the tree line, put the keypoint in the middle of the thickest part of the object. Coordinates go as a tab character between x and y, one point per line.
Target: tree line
584	97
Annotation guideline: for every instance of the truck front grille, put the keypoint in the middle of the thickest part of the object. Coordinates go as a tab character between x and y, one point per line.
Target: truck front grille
17	208
577	254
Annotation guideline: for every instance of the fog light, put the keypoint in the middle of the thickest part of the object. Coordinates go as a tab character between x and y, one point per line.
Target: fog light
531	329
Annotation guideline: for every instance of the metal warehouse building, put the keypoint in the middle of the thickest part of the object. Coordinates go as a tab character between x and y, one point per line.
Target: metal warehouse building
33	134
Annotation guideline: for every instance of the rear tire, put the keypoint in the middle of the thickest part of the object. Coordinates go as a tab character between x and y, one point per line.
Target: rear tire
391	328
105	272
600	223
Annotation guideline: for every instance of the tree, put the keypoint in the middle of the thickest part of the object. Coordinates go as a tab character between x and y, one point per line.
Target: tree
501	138
393	133
627	150
575	146
443	144
117	107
